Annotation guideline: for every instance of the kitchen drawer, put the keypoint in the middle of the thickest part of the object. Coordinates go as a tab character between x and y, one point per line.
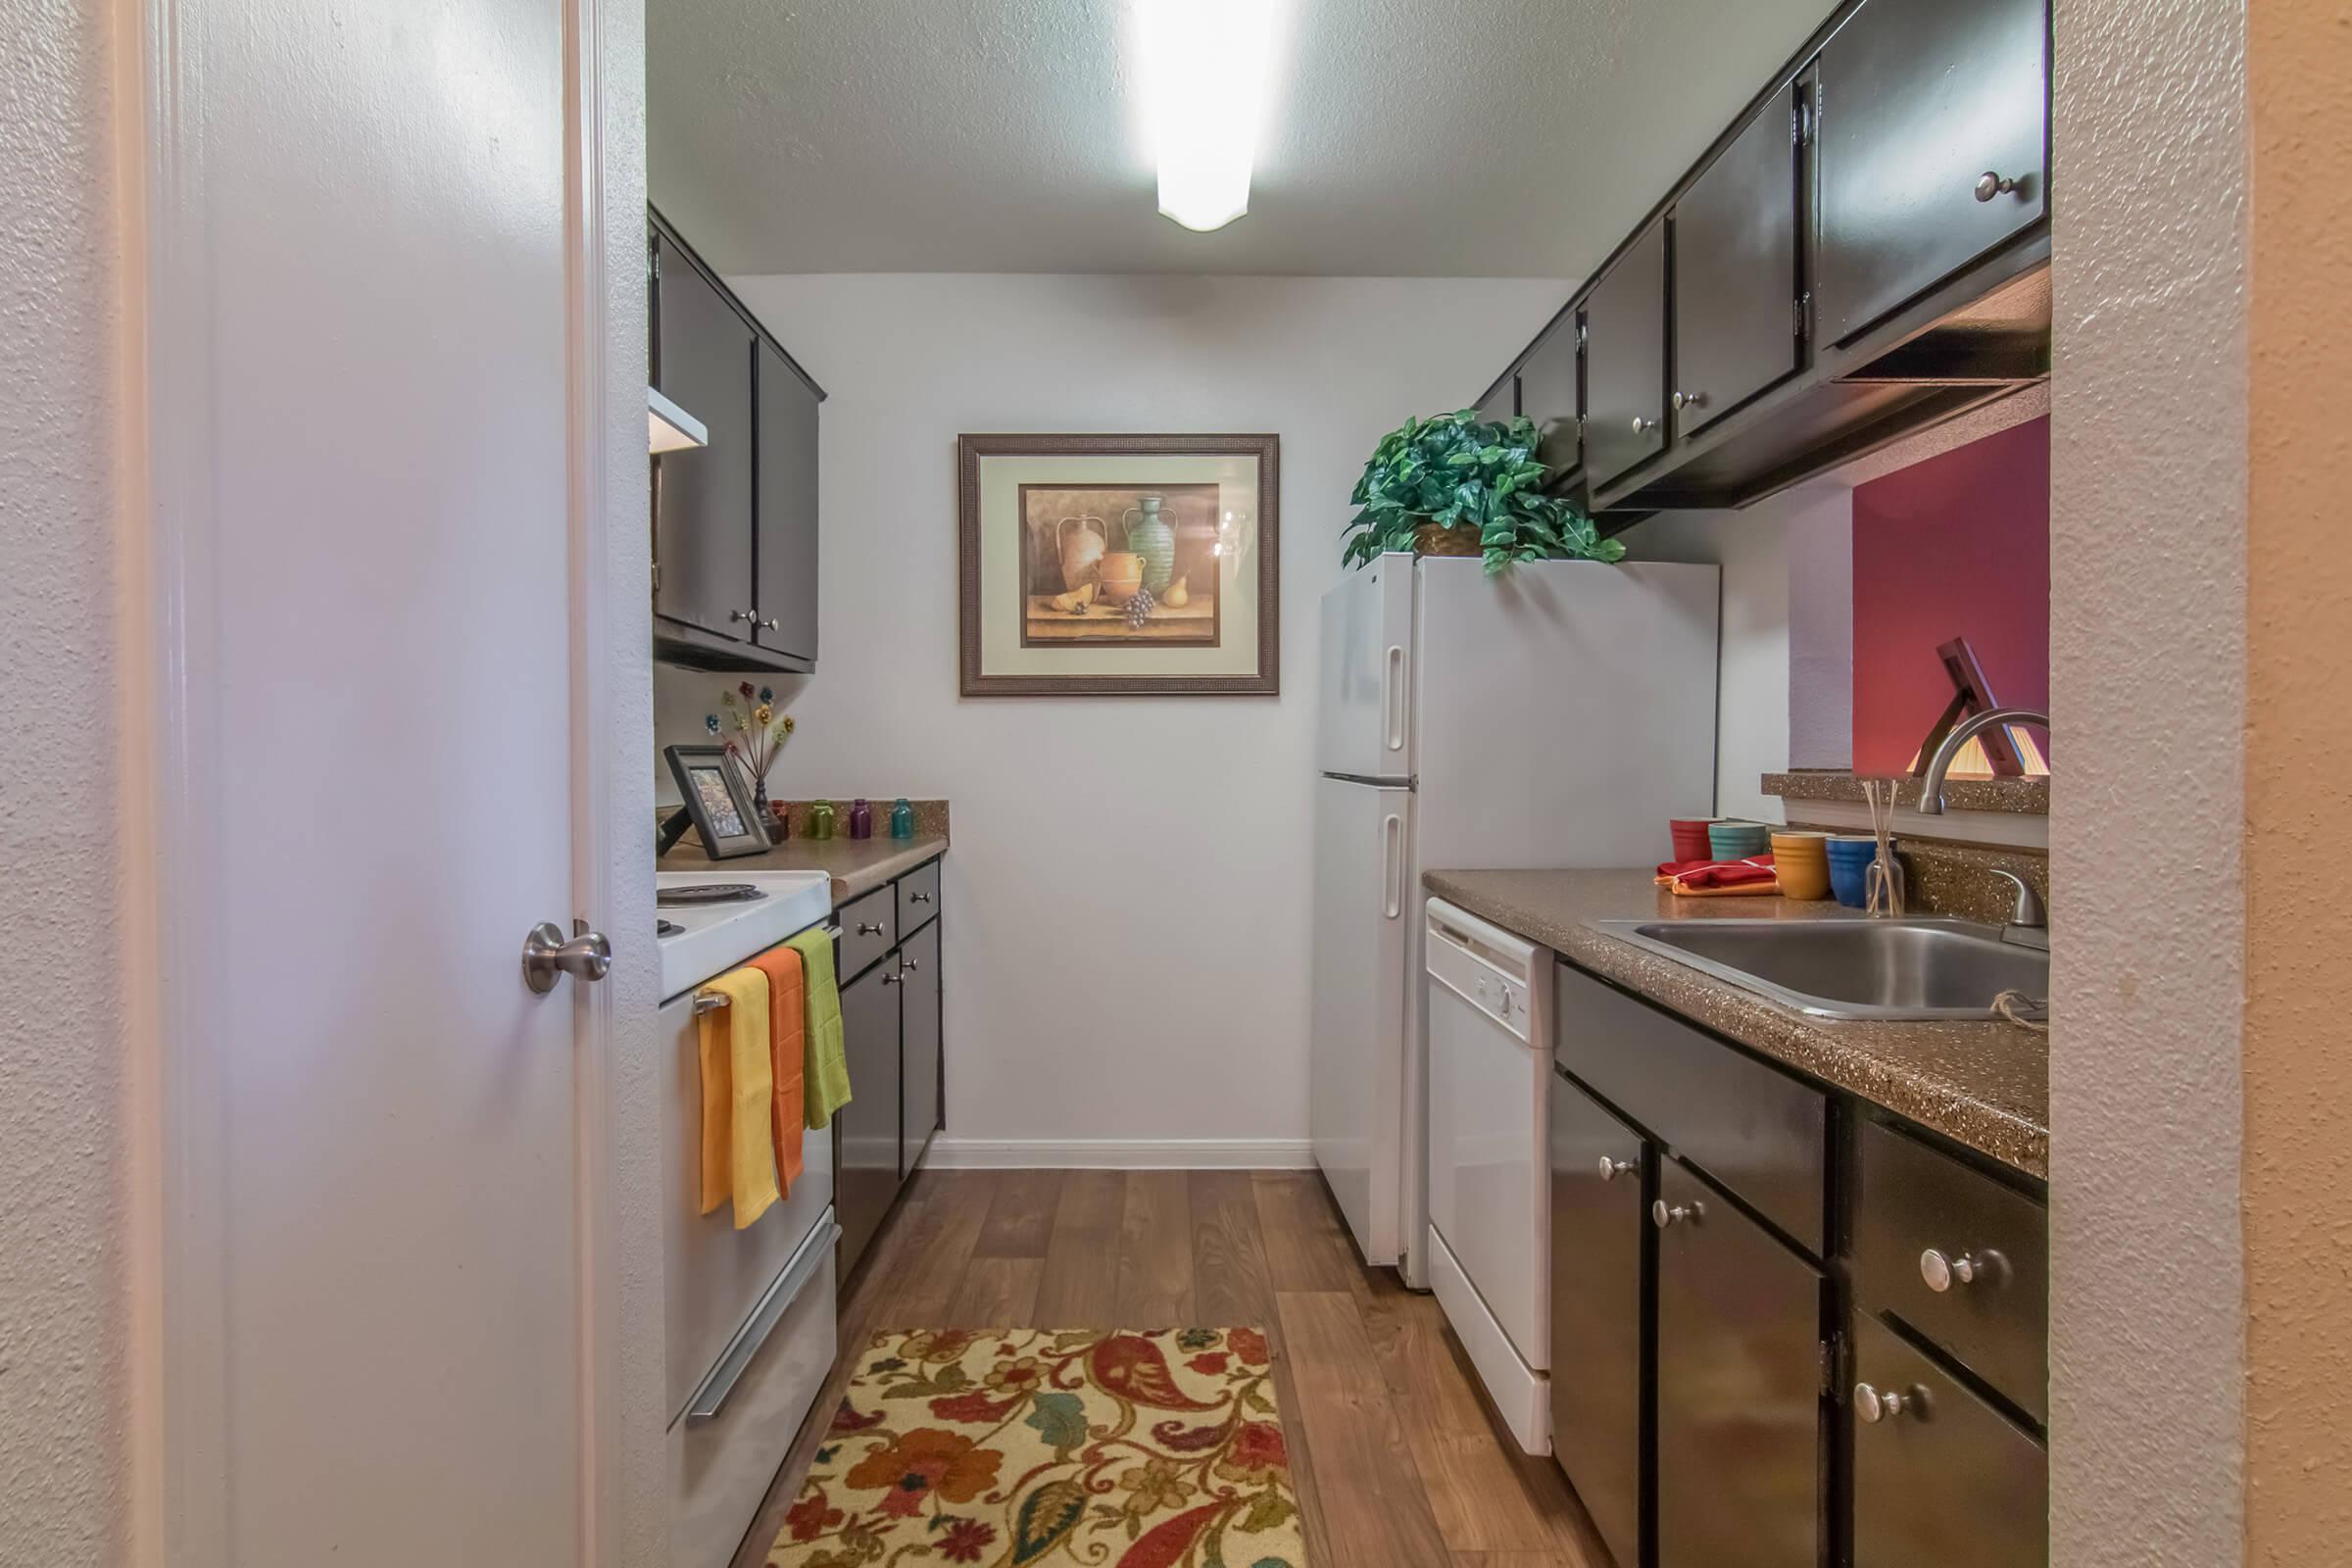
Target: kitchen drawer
1924	1219
1759	1132
869	928
721	1465
1941	1476
919	898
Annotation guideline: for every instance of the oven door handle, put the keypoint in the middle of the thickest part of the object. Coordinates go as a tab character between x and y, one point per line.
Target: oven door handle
742	1350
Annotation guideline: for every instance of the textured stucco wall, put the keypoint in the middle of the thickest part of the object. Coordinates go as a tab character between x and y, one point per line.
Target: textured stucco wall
2148	580
64	1492
2298	1075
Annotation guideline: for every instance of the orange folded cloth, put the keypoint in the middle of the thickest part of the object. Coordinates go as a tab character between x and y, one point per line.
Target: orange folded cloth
786	1013
1718	878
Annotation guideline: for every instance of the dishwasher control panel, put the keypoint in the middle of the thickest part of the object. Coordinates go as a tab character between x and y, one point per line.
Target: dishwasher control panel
1490	970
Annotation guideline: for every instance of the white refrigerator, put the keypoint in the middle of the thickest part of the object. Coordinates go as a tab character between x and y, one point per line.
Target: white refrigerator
1554	716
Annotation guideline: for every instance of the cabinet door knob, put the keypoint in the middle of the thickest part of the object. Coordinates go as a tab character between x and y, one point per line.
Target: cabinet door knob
1644	426
1875	1405
743	614
908	965
1689	400
1990	184
1611	1169
1663	1214
1941	1273
894	979
770	624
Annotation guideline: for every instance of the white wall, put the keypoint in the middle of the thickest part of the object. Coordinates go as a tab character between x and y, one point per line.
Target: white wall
1127	895
66	1169
1760	549
2149	368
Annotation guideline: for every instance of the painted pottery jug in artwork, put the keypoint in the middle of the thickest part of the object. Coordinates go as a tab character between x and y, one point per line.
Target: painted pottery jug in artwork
1081	552
1153	537
1121	573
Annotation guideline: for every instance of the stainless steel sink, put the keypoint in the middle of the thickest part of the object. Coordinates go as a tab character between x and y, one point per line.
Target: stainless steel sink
1859	968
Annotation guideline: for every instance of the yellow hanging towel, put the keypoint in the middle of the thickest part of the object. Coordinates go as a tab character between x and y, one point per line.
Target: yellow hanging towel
739	1151
828	1089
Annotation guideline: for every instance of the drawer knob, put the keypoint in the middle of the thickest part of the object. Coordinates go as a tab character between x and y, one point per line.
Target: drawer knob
1875	1405
869	928
1991	183
1611	1169
1941	1273
919	898
1662	1214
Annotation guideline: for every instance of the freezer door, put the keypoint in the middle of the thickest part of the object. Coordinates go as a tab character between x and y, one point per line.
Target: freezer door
1363	910
1363	717
1563	711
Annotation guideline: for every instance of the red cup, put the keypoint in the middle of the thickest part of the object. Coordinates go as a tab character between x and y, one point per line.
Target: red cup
1691	838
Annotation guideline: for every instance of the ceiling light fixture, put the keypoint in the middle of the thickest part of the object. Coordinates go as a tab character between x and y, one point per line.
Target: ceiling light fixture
1205	64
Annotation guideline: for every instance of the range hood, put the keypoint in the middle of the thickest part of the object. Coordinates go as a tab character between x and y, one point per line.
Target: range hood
670	428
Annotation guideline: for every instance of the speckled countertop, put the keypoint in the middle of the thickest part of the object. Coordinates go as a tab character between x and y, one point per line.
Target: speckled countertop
2021	797
1984	1085
857	865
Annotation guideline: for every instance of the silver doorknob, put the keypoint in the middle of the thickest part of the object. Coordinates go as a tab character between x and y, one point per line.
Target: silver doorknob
1689	400
1644	426
1661	1214
546	956
1941	1273
1875	1405
1611	1169
1990	184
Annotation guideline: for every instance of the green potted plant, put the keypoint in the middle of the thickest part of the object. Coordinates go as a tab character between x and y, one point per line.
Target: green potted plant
1455	485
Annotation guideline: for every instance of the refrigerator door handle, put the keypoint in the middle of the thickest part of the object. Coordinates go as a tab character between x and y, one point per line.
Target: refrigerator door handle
1392	864
1392	697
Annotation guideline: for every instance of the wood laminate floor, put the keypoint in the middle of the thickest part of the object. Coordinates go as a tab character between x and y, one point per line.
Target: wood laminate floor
1399	1459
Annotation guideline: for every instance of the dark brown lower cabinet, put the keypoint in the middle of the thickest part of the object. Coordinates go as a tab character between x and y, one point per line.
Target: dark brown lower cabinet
1597	1221
918	1046
1940	1476
866	1131
1738	1387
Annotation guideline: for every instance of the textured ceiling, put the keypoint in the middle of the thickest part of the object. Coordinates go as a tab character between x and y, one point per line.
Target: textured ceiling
1431	137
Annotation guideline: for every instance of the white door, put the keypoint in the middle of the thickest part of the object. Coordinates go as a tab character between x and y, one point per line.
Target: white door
1362	913
1363	714
376	1344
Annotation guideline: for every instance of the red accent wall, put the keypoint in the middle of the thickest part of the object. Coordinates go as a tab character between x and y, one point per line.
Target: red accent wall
1958	546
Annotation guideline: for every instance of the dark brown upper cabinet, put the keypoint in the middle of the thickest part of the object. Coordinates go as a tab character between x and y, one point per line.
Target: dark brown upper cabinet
1625	360
784	503
703	517
1933	143
735	521
1737	318
1862	253
1547	395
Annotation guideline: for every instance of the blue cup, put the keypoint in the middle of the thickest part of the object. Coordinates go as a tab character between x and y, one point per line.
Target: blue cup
1846	880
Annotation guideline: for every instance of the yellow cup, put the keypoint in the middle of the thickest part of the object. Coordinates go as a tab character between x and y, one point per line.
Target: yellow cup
1802	863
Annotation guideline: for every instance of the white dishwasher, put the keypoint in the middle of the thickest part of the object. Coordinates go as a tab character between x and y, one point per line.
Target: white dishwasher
1489	1192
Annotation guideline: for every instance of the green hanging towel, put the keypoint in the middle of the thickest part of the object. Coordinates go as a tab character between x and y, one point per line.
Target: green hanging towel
828	1069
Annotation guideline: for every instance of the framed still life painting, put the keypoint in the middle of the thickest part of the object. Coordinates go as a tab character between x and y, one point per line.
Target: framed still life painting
1100	566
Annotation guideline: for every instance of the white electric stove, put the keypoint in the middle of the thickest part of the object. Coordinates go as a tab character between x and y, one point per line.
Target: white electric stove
712	938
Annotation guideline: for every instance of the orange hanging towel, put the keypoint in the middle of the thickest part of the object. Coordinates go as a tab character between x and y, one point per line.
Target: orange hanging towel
787	1011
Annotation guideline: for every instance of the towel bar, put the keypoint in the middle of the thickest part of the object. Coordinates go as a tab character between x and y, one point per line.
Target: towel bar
713	1000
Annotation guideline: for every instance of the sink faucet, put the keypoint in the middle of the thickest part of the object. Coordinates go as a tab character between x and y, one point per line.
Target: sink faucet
1930	784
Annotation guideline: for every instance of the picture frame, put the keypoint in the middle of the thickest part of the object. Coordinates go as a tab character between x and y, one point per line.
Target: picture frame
1119	565
719	799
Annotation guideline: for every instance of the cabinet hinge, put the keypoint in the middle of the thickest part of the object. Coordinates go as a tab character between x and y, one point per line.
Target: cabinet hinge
1829	1369
1796	312
657	576
1580	334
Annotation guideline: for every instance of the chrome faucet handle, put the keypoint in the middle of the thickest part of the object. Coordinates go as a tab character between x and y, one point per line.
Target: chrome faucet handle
2031	912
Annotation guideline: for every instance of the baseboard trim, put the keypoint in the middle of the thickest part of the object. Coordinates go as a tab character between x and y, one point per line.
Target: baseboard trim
1122	1153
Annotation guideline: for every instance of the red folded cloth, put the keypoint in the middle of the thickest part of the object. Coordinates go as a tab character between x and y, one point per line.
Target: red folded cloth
1697	876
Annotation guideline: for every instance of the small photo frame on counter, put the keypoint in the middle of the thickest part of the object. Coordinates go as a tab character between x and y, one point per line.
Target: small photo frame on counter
718	799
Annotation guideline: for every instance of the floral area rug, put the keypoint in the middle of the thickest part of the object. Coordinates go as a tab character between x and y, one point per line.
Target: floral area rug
1007	1448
